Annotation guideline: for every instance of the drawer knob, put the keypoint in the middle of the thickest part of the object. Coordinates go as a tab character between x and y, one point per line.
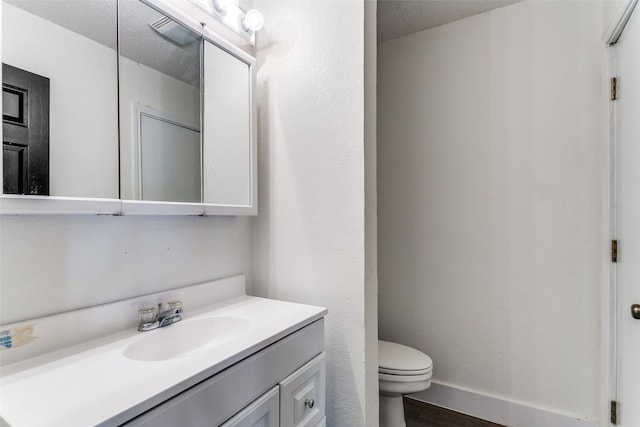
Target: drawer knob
310	403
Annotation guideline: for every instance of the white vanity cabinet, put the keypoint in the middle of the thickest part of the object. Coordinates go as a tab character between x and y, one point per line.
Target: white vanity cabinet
298	401
302	395
292	371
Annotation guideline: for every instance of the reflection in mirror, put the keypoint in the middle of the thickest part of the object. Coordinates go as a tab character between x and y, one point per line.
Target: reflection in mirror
159	107
60	98
227	123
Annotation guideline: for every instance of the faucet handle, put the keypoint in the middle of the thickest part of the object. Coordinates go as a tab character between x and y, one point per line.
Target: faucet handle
175	306
147	314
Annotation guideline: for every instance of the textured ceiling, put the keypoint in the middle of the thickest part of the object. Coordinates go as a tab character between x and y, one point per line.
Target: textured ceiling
96	19
398	18
139	42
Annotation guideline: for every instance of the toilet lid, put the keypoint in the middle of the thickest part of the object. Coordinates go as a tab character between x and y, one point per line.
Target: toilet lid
398	359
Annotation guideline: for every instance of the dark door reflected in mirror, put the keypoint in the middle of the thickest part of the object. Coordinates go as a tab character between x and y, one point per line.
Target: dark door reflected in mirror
25	132
61	53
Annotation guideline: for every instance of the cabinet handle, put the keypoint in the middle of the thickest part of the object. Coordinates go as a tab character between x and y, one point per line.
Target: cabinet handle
310	403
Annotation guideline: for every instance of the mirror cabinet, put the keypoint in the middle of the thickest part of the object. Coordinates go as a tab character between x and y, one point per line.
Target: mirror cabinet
123	108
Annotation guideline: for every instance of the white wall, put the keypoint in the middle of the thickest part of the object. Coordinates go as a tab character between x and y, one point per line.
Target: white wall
83	101
490	204
371	211
51	264
310	233
612	10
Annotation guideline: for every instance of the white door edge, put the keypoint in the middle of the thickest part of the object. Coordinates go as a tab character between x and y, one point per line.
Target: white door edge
609	288
612	292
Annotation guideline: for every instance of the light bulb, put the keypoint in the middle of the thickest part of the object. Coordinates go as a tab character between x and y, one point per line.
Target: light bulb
224	5
253	20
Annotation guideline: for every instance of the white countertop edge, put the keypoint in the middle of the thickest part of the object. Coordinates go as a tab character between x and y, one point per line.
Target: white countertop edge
87	394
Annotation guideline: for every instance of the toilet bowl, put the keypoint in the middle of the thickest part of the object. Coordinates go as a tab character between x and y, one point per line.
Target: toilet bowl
401	370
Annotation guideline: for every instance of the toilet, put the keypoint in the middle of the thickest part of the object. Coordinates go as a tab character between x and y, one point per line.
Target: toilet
401	370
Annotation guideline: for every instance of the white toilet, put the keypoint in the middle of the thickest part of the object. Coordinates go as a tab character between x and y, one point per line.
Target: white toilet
401	370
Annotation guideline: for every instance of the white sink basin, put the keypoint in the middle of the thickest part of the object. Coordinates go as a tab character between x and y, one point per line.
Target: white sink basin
185	337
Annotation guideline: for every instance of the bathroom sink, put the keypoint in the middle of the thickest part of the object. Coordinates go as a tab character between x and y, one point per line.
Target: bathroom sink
185	338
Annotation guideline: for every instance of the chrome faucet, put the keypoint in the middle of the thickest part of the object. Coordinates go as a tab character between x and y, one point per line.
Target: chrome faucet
152	318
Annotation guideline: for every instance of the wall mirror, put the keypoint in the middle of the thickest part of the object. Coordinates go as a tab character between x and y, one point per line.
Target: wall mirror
136	110
229	138
160	132
59	101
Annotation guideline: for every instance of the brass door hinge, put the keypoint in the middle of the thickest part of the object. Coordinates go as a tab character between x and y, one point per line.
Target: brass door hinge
614	88
614	251
614	412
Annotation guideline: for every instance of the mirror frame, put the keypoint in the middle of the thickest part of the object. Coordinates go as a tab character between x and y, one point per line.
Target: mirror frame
23	204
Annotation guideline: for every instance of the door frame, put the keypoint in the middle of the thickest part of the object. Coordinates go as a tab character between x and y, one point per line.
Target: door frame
609	353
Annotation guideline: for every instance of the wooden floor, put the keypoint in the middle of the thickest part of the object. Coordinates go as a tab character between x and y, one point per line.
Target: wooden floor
419	414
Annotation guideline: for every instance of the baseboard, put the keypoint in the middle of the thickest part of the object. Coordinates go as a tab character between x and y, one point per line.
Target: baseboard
494	409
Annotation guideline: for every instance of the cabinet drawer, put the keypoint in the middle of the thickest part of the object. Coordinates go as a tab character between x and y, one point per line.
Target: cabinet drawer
322	423
263	412
302	395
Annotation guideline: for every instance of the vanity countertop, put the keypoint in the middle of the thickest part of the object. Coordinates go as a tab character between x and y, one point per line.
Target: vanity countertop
94	383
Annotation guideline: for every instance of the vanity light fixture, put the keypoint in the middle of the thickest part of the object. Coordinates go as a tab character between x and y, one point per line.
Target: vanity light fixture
253	20
223	6
244	23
